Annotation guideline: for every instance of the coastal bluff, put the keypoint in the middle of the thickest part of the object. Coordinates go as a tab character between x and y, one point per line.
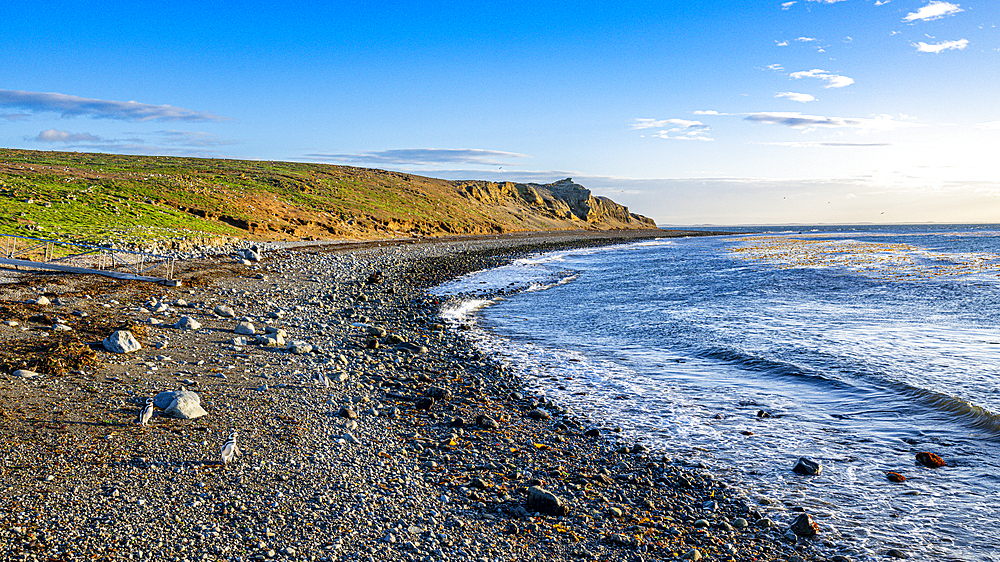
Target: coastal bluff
550	206
175	202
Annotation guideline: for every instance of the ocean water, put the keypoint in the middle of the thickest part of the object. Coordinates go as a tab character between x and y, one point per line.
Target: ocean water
866	345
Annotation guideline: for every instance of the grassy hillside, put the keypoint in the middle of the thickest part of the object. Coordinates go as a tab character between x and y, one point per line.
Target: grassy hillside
137	199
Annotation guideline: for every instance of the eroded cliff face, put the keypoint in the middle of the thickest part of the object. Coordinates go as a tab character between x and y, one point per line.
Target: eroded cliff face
563	204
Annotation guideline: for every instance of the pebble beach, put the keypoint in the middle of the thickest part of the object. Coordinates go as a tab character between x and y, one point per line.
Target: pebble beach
368	428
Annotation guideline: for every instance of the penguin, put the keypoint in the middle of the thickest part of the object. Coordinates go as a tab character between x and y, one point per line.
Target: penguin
146	414
229	448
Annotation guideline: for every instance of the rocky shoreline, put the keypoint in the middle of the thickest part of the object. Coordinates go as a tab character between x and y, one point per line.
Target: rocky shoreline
372	433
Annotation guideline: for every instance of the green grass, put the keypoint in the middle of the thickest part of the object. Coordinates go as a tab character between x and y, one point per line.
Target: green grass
137	199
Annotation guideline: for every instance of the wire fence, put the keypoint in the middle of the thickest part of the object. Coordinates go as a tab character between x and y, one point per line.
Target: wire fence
87	256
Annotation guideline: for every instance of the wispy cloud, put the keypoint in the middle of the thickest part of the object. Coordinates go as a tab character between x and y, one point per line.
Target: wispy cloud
54	135
654	123
708	112
424	157
832	80
775	67
795	96
787	5
14	116
826	1
684	134
71	106
806	39
166	142
780	43
807	144
882	2
933	11
676	129
801	121
991	126
191	138
943	46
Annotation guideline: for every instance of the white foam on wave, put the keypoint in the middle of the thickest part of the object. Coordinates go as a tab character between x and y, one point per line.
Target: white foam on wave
462	311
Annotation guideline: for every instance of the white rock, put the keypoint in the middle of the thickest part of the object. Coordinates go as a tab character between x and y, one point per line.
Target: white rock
225	311
25	374
187	323
271	340
122	341
245	328
43	300
299	347
183	404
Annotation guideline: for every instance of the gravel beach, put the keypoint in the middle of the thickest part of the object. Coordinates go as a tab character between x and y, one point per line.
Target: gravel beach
367	428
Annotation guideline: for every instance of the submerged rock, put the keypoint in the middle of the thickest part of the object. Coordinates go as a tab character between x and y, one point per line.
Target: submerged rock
807	467
804	526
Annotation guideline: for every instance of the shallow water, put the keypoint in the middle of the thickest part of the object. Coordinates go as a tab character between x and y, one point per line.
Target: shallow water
866	346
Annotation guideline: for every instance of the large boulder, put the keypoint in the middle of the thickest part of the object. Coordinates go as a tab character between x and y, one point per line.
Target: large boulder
183	404
121	341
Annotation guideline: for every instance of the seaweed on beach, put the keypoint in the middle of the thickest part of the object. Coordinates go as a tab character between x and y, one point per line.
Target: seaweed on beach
58	357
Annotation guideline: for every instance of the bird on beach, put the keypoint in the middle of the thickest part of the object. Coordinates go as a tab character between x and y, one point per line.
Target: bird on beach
229	448
146	414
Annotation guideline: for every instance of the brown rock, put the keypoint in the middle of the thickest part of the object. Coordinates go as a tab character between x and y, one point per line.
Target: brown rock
930	460
895	477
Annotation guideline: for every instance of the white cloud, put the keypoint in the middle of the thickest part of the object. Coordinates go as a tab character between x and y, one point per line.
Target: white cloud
882	2
676	129
795	96
933	11
991	126
683	134
786	5
424	157
780	43
943	46
659	123
775	67
53	135
70	106
805	39
800	121
832	80
826	1
708	112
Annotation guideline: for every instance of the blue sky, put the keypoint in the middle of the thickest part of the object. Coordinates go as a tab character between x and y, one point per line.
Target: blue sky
834	111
